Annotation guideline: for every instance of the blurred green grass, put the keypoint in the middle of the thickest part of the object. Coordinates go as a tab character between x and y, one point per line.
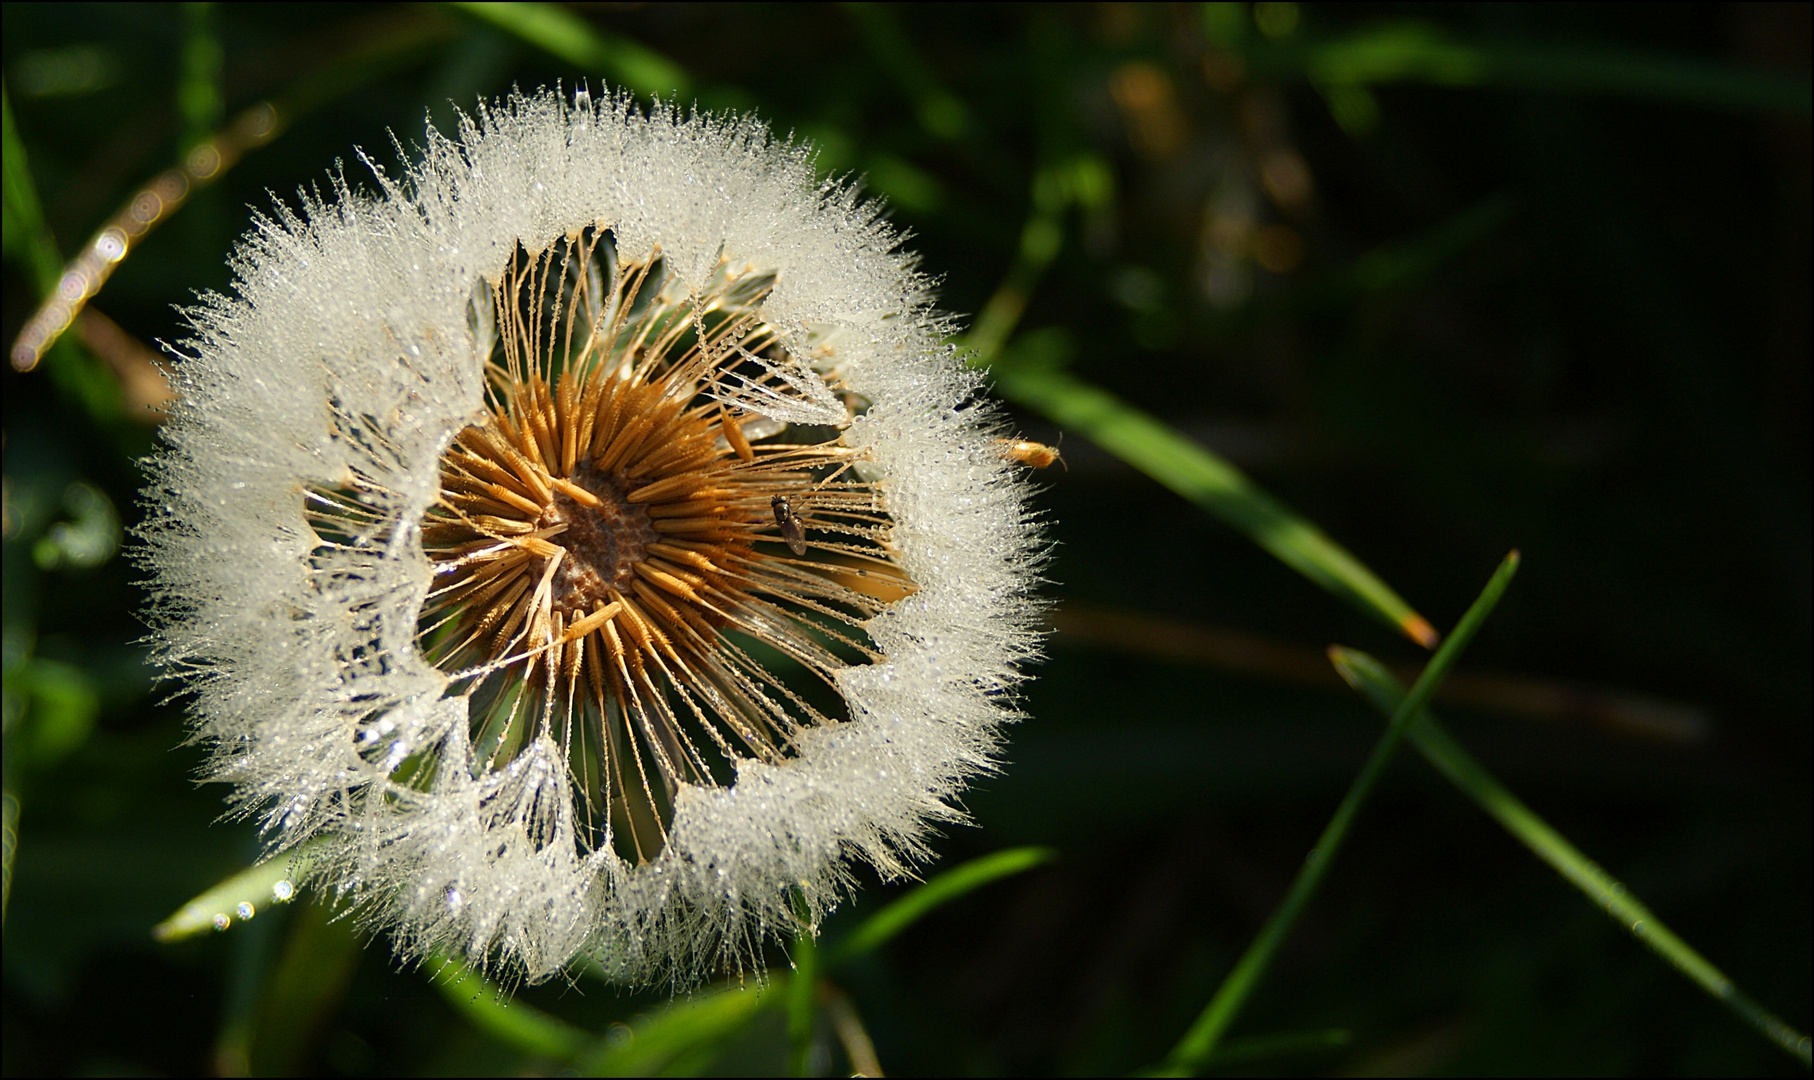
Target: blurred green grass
1517	276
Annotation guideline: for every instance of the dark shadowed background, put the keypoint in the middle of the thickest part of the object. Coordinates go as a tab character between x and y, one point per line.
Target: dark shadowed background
1447	280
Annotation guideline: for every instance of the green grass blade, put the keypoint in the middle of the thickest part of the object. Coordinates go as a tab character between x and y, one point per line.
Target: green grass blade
663	1042
9	838
800	1010
363	63
271	881
1419	52
301	991
1282	1044
1418	258
199	96
514	1023
1041	237
1252	1048
77	371
1372	679
559	31
1204	478
940	112
26	235
1200	1043
938	890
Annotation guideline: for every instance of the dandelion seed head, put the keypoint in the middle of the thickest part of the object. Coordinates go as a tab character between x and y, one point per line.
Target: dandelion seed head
588	539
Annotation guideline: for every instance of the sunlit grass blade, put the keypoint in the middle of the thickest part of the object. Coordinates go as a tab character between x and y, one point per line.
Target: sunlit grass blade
1200	1043
28	239
1204	478
512	1022
65	290
1374	682
936	891
569	37
679	1040
270	881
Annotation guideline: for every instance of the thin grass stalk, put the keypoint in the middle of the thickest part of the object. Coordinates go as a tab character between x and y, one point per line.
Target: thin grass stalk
800	1004
1440	748
936	892
1199	1043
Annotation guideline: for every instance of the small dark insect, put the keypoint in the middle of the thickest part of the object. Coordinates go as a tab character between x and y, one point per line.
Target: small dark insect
789	523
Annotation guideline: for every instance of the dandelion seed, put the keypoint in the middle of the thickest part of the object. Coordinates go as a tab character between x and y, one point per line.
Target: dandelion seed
589	541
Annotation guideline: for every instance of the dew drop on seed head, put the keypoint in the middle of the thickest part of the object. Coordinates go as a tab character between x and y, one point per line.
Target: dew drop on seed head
221	921
283	890
245	910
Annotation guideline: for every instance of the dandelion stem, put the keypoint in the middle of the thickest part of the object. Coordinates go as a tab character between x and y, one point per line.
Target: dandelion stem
1377	684
1200	1042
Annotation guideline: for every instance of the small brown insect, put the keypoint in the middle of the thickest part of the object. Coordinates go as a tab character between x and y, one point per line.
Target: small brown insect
1034	455
789	523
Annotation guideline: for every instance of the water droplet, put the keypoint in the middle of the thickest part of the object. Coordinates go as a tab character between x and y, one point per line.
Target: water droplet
111	245
1639	928
221	921
619	1034
283	890
245	910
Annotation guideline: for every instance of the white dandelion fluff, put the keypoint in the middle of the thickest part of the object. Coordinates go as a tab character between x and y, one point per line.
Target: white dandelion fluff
588	542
